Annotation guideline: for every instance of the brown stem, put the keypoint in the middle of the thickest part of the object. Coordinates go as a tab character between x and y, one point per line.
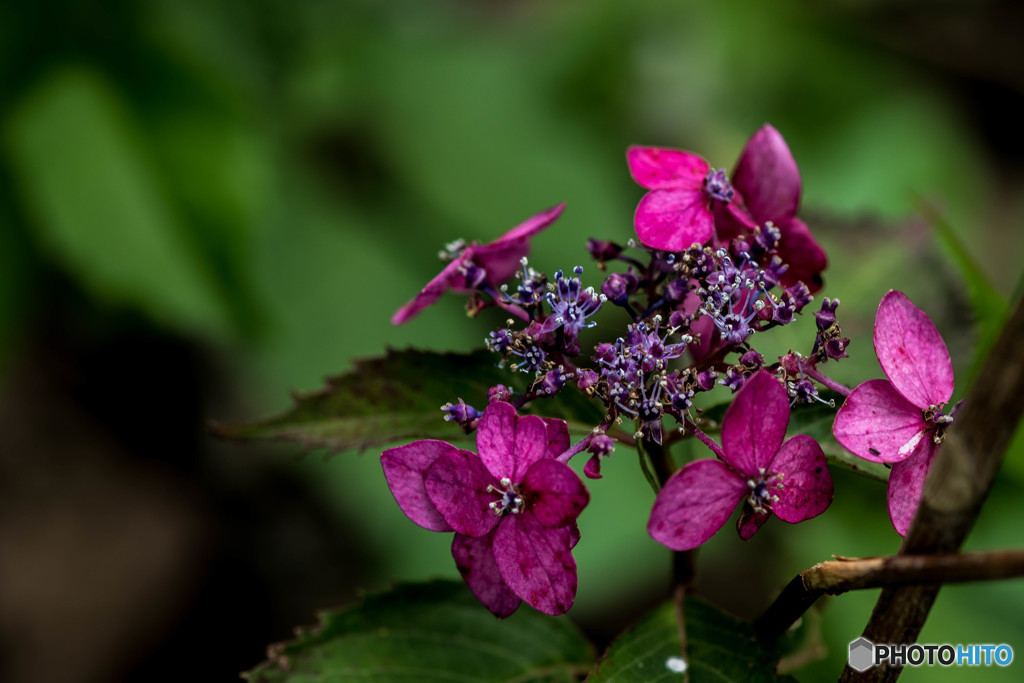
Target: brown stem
846	574
960	479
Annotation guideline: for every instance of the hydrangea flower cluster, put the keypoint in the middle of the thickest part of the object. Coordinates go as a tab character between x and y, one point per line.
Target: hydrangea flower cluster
717	261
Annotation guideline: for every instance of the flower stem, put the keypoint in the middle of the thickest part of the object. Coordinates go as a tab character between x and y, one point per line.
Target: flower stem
706	440
825	381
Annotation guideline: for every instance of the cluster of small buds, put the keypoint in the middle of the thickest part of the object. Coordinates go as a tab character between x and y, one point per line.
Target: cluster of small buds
713	299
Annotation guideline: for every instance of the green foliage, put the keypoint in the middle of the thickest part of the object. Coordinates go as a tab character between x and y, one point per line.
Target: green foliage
429	632
397	397
98	208
718	648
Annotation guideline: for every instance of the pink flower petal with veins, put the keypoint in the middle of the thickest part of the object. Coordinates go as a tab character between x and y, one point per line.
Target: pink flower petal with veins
807	488
457	485
750	521
553	493
767	176
536	563
878	424
694	504
674	219
509	443
558	436
906	486
755	423
404	468
660	168
474	558
804	256
911	352
448	278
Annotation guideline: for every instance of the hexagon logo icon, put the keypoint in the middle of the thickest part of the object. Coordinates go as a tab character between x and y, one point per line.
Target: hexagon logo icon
862	655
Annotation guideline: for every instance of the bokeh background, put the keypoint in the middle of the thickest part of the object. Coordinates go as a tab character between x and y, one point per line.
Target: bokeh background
205	205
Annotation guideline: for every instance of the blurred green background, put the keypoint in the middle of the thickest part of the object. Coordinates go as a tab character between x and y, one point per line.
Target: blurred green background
205	205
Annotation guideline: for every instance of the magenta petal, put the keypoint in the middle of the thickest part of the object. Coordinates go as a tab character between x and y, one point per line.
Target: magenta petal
474	558
558	436
906	486
657	168
755	423
553	493
732	219
536	563
750	521
449	278
804	256
911	352
533	225
694	504
404	468
876	423
500	260
457	485
806	483
673	220
509	443
767	176
496	439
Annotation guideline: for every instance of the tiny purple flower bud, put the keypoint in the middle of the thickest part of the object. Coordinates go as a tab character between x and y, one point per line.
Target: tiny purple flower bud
835	348
462	413
601	446
791	363
499	341
800	295
676	290
553	381
587	379
615	288
706	380
603	250
716	184
826	317
499	392
733	379
752	360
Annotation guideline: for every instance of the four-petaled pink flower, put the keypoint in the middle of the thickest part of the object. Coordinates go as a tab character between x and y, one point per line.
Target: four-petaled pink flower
755	466
900	420
767	182
477	265
689	203
677	212
513	507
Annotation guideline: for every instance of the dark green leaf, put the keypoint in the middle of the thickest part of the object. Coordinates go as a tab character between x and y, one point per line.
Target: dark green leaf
719	648
429	632
384	400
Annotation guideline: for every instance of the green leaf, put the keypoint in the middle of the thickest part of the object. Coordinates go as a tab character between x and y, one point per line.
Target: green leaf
99	208
429	632
989	306
719	648
397	397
